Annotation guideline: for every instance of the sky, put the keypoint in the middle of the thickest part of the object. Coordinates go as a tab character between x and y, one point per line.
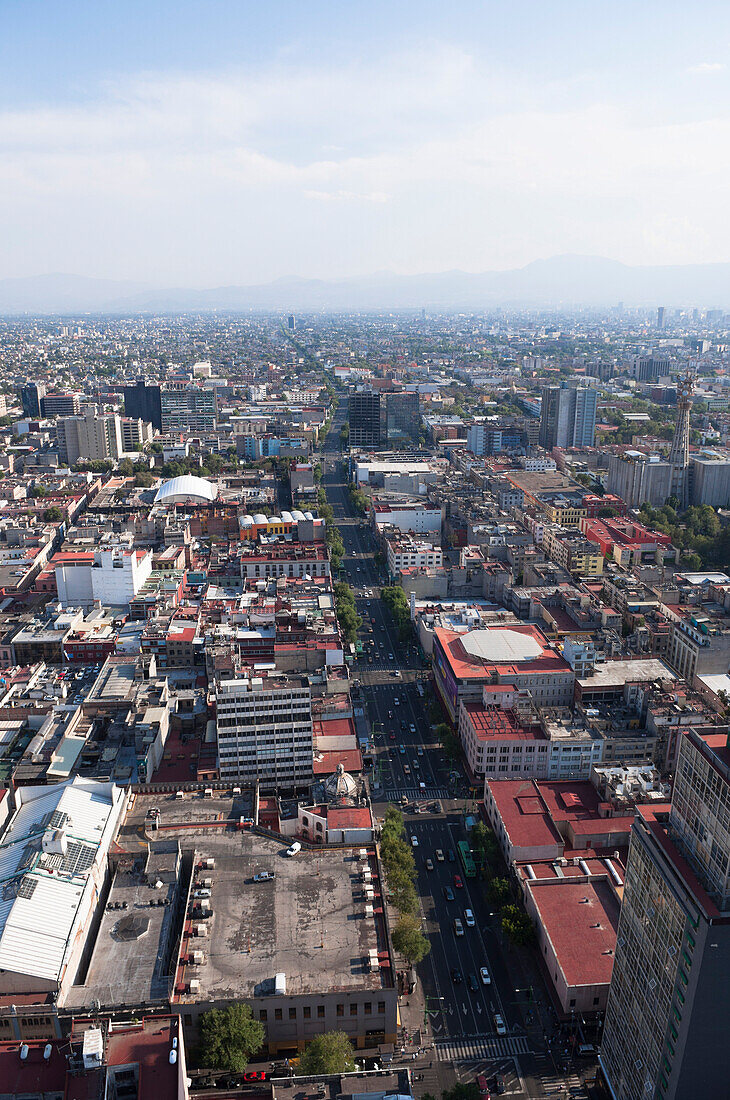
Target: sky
213	142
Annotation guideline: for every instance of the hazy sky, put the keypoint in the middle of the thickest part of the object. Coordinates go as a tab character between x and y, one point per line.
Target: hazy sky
204	142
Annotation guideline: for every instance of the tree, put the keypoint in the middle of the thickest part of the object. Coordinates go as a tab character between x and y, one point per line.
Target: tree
53	514
229	1037
144	479
328	1053
409	940
38	492
462	1091
498	891
517	925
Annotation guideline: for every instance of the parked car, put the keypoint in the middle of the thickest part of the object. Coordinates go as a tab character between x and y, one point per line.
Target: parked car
264	876
294	848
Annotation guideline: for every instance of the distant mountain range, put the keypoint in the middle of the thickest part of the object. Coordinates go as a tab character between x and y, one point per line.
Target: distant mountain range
563	282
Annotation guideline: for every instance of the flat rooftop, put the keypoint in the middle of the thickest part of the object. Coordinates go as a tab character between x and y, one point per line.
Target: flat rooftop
310	923
614	674
580	919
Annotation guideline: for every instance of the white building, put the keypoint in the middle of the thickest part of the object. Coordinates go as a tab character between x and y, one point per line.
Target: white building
412	518
410	554
53	869
264	730
113	575
97	438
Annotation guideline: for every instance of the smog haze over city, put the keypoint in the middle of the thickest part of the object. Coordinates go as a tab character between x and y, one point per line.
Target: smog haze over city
364	550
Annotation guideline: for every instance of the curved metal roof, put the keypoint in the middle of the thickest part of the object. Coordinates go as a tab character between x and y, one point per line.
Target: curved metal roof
180	489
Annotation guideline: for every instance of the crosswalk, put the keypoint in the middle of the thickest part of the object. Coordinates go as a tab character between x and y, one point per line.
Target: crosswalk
554	1084
414	794
481	1046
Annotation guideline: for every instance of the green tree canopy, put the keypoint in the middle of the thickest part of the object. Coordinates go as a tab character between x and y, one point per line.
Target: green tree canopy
53	514
328	1053
409	940
229	1037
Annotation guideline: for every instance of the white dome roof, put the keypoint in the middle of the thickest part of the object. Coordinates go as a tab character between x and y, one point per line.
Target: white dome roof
178	490
259	518
340	785
297	515
286	517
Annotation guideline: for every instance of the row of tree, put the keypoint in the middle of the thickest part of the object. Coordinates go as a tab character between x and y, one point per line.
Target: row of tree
400	870
230	1037
347	616
397	603
358	499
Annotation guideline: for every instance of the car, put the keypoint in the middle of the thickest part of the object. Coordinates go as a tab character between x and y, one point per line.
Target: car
391	657
435	807
263	876
458	927
406	770
403	726
390	714
450	855
397	701
499	1025
440	855
473	983
420	750
469	918
414	841
483	1086
429	865
294	848
485	976
413	728
402	750
415	763
496	1083
391	737
448	893
456	976
586	1050
205	893
458	883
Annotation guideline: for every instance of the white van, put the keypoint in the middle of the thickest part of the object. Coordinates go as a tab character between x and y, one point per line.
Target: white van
295	847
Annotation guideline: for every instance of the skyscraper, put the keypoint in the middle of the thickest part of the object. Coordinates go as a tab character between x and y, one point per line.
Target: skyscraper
31	396
679	451
667	1016
661	317
364	418
142	401
567	417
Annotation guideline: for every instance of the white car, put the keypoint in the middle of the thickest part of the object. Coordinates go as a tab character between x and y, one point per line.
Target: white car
469	918
295	847
499	1024
439	855
201	894
485	976
414	841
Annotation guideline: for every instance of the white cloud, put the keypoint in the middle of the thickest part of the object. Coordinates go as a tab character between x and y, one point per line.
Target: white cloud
425	161
705	67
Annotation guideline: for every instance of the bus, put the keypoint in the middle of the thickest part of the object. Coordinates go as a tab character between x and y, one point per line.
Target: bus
465	859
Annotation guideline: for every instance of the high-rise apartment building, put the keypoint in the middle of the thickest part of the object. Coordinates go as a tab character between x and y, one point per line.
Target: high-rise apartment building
135	433
646	368
567	417
186	407
92	437
364	418
666	1019
31	396
142	401
264	729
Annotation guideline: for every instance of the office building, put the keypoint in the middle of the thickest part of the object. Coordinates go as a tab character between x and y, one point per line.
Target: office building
567	417
637	477
112	576
97	438
142	401
710	480
647	368
364	418
661	317
403	419
264	729
31	396
60	404
666	1025
188	408
292	323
